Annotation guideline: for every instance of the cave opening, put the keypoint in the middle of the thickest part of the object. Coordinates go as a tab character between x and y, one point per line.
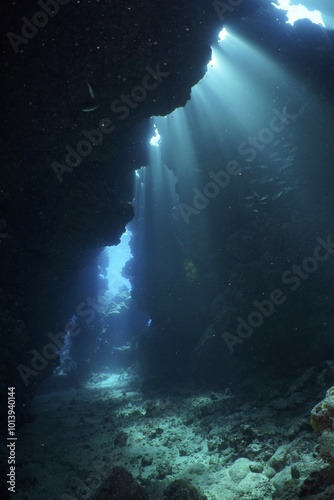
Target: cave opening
118	256
315	11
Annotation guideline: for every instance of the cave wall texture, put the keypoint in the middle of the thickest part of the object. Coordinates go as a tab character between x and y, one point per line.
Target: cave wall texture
57	216
55	229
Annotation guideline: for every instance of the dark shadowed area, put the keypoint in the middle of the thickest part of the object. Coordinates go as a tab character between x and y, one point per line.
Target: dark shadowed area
167	249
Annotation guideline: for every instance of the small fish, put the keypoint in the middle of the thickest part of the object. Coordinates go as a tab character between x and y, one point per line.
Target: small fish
256	194
255	211
273	155
90	108
290	188
252	181
265	197
280	183
277	195
249	198
302	109
90	90
266	179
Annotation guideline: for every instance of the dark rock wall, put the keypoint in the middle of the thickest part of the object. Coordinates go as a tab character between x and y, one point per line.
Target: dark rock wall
87	56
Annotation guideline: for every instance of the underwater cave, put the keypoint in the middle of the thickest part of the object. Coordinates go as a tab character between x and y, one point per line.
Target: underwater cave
166	234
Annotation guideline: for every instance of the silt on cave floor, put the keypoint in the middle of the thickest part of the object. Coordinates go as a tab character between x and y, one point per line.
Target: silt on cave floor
253	442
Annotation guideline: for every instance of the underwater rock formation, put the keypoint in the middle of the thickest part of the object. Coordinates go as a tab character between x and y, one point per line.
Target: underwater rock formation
322	415
120	485
66	180
181	489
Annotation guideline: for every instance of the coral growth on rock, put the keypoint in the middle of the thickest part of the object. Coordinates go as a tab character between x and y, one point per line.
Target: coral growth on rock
322	415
